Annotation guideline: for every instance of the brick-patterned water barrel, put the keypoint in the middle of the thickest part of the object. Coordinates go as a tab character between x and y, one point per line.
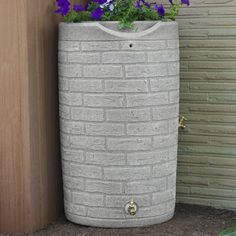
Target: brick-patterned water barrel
119	105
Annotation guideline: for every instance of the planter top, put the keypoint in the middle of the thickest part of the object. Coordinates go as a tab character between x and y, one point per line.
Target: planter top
109	30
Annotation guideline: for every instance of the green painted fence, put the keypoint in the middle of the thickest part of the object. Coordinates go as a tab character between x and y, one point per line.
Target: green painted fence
207	151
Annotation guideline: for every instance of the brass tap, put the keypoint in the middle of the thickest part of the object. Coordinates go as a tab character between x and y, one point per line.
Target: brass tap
182	122
131	208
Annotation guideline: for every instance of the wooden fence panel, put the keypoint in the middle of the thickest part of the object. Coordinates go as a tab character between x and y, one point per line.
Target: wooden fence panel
207	152
30	171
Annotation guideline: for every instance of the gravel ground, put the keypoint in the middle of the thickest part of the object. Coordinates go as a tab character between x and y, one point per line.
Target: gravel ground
189	220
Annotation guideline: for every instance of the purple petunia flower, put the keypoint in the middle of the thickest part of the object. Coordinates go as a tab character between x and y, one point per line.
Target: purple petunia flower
185	2
171	2
78	8
109	4
86	6
140	3
97	13
146	3
100	2
160	9
63	7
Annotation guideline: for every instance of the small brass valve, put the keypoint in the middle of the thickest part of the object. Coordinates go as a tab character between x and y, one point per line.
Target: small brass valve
182	122
131	208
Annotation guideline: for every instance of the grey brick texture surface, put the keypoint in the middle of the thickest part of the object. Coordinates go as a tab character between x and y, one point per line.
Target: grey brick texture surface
118	115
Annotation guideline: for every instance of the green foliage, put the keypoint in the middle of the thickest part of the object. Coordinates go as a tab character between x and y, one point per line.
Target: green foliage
149	14
229	232
74	17
125	24
107	16
174	11
128	16
126	12
92	6
122	9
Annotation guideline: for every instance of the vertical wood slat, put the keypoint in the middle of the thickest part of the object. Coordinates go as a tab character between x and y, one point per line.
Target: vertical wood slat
43	111
14	137
30	173
207	163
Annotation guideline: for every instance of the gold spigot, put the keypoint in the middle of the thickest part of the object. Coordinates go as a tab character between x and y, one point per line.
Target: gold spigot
182	122
131	208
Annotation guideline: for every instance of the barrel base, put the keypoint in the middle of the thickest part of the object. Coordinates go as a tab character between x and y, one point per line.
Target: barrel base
126	223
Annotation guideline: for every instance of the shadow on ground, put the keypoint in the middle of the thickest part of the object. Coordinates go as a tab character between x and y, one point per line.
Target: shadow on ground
189	220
